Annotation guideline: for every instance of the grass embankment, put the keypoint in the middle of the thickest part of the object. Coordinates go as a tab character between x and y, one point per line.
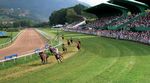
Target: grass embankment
7	39
101	60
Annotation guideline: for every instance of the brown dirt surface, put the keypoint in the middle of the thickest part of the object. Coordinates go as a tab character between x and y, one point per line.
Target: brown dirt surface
26	42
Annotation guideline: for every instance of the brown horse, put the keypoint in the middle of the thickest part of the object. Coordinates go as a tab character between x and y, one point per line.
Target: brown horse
64	48
78	46
71	40
62	37
43	57
68	42
57	55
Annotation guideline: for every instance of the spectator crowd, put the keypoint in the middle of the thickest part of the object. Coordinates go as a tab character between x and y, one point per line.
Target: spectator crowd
101	22
123	20
143	37
142	21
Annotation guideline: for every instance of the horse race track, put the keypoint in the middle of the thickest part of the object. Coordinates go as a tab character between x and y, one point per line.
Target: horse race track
100	60
27	42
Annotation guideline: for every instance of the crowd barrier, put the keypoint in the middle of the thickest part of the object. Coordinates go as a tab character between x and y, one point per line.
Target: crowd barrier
112	35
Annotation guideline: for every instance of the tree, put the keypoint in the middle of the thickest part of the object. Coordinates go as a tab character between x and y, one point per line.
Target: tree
58	17
68	15
71	16
23	23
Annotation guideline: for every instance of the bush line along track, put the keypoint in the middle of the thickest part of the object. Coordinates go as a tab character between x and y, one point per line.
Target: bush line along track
30	54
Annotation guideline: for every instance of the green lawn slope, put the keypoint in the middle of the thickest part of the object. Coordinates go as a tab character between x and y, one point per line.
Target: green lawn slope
101	60
4	40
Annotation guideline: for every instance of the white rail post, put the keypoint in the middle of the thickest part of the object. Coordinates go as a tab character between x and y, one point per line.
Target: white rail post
3	63
14	60
31	56
25	58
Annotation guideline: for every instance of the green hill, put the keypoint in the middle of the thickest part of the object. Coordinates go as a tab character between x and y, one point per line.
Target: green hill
69	15
38	8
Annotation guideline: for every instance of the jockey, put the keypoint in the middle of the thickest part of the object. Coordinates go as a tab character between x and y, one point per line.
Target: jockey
58	55
71	40
56	50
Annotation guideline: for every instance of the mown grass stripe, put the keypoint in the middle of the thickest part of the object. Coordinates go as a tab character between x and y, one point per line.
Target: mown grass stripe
101	60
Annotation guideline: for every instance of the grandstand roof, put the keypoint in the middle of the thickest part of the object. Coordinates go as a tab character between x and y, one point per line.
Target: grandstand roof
145	1
106	9
133	6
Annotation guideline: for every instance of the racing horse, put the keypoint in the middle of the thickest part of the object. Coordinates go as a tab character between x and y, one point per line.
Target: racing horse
57	55
78	45
43	57
64	48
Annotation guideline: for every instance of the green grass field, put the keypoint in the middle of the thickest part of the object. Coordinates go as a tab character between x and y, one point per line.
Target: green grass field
4	40
101	60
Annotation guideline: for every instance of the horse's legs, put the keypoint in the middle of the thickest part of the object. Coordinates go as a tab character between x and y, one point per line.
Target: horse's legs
46	61
60	59
42	61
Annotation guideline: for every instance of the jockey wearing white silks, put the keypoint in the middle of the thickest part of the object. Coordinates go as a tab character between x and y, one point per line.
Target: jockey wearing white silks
57	50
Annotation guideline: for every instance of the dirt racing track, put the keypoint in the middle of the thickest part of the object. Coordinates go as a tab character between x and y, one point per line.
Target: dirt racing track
26	42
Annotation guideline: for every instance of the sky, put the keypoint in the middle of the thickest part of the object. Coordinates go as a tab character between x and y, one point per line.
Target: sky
93	2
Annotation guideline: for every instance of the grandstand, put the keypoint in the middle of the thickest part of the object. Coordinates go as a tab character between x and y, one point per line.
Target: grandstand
145	1
142	23
120	14
119	8
121	19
